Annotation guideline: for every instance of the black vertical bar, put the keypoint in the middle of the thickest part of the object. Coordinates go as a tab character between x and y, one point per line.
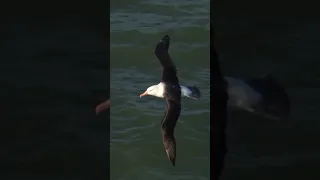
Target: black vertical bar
218	111
102	96
54	71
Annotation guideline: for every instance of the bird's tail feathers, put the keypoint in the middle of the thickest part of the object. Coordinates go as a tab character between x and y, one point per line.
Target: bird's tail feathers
194	92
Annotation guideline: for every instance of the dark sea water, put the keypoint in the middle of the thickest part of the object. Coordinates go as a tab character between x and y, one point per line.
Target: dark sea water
53	73
249	44
136	148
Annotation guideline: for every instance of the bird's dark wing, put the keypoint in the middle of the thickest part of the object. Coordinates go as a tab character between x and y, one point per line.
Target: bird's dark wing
167	128
169	73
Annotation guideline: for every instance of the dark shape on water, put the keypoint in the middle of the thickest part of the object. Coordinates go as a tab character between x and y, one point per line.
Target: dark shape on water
275	100
103	106
172	94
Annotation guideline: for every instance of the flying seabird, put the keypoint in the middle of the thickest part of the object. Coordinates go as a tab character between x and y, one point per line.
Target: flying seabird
103	106
256	95
169	89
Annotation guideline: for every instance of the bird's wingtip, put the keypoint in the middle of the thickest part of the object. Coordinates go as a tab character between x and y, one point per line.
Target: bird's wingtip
166	38
171	158
163	45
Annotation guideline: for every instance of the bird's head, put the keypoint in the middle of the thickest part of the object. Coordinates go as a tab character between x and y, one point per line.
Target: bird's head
155	90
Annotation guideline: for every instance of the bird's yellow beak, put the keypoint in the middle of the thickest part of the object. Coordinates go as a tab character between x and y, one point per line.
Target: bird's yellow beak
144	94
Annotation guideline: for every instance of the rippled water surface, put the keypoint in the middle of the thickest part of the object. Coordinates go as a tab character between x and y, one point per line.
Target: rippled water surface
248	46
54	73
136	144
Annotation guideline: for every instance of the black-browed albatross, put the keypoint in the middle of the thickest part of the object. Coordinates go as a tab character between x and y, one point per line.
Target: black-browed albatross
170	90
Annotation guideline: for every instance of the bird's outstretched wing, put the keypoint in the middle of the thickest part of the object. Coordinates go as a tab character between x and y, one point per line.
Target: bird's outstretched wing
167	129
169	73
